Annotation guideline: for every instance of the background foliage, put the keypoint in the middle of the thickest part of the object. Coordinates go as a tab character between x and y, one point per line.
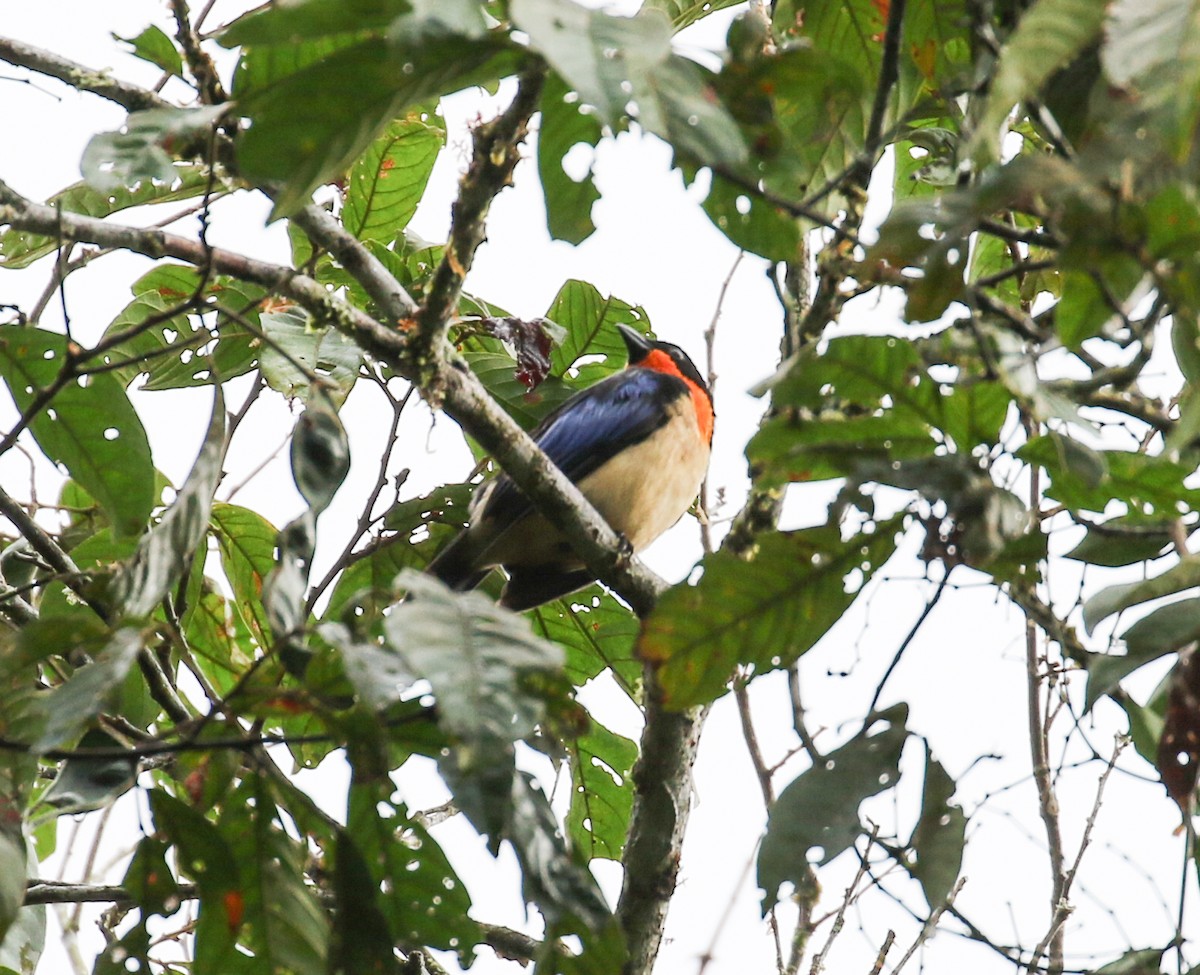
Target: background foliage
1031	412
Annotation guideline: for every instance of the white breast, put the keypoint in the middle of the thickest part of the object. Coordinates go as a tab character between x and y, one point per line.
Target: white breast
646	488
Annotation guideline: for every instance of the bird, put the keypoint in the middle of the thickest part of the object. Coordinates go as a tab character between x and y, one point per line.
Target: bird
636	444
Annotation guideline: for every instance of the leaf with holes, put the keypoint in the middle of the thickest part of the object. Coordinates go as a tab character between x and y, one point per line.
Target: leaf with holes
820	806
142	148
1179	748
563	128
763	612
684	13
610	60
601	792
349	96
591	320
481	661
296	352
597	632
174	348
203	855
20	248
422	898
361	938
551	877
89	426
387	182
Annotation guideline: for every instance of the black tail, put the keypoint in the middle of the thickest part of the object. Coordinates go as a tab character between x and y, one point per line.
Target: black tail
455	565
533	585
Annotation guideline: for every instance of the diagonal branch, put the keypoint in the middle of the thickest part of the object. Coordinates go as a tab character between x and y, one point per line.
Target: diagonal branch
495	156
461	393
133	97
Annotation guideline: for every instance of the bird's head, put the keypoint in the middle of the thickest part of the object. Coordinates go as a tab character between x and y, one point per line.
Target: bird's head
661	357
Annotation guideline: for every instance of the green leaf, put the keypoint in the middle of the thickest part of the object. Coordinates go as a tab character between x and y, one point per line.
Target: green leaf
362	939
205	856
608	60
149	878
1148	37
349	96
819	808
751	223
564	127
483	663
1090	480
69	707
168	352
282	921
139	150
597	632
309	19
20	248
603	57
1122	541
602	792
940	835
246	543
804	108
379	675
497	372
1164	630
100	557
12	875
221	643
320	456
1147	961
764	612
550	877
296	351
84	783
21	947
591	320
1114	599
1089	295
387	183
155	46
1049	34
475	655
421	897
166	552
684	13
89	426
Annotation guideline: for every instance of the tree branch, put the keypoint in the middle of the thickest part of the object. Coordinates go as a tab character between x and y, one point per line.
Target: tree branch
495	156
132	97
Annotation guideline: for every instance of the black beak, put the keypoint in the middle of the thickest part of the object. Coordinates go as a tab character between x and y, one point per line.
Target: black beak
638	345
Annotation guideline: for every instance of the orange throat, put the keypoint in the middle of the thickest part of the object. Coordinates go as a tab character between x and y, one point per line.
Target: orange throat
659	361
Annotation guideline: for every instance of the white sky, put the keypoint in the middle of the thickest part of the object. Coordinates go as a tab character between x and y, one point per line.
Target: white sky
964	676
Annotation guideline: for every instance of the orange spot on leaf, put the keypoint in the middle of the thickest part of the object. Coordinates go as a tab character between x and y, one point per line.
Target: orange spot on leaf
235	907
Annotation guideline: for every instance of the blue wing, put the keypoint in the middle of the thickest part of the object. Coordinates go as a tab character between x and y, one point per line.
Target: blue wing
592	427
